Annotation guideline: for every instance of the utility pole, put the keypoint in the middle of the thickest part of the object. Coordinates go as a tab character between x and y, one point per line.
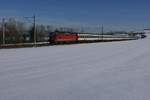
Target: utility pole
102	31
82	29
3	29
98	32
34	29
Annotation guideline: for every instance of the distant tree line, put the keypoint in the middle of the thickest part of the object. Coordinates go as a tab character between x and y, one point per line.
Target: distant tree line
19	32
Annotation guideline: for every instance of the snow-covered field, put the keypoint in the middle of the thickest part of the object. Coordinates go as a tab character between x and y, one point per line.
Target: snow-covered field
98	71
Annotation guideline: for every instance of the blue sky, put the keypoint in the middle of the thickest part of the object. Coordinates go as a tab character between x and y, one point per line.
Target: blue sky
114	14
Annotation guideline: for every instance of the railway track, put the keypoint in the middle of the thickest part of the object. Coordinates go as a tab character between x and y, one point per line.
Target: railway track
39	44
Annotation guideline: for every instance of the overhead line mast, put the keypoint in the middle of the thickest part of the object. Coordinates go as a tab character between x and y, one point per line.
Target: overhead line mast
34	28
102	31
3	30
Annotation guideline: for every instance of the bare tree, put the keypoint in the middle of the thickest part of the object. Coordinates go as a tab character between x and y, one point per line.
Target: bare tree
41	33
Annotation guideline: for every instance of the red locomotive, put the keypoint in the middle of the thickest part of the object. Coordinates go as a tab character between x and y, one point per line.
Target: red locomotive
57	37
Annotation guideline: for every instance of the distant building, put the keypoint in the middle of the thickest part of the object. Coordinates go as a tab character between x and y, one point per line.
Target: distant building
147	31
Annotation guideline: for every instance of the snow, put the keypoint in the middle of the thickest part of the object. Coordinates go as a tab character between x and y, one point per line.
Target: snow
97	71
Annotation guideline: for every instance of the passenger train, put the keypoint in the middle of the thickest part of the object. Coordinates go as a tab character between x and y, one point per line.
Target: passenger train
62	38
